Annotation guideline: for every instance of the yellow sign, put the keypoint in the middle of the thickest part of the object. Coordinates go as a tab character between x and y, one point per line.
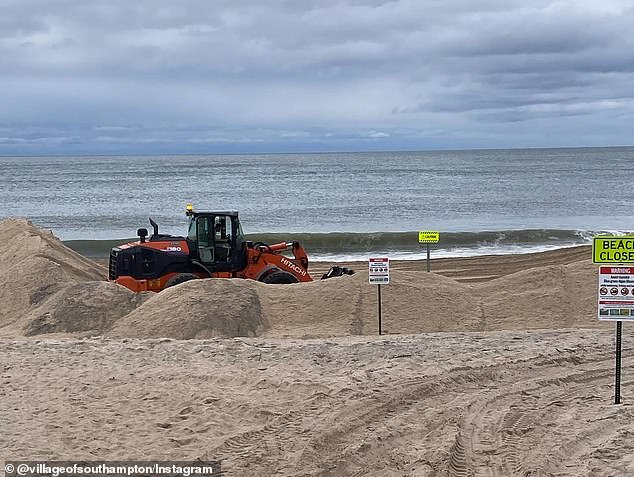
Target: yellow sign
608	249
428	237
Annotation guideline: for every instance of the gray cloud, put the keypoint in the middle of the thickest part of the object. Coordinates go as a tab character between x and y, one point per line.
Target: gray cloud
103	76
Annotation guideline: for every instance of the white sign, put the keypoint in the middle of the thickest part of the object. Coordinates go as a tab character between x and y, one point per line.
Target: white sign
616	293
379	271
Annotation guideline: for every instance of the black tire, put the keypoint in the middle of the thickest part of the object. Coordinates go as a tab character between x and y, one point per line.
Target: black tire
180	278
280	277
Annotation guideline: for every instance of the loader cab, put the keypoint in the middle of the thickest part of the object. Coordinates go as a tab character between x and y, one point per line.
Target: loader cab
216	240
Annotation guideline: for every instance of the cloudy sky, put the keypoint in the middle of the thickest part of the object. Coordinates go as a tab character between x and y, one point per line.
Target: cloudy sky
161	76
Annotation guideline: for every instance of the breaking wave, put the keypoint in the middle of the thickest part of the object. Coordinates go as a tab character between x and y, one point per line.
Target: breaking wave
399	245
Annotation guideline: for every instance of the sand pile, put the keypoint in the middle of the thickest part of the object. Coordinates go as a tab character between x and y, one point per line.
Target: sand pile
426	302
23	242
321	308
45	287
198	309
90	307
34	265
414	302
558	296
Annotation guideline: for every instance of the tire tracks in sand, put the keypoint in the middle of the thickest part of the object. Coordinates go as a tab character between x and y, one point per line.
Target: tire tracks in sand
494	419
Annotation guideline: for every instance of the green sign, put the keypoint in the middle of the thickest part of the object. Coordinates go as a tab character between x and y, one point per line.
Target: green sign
609	249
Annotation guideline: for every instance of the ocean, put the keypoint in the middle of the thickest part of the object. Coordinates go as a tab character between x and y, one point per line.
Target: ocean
340	205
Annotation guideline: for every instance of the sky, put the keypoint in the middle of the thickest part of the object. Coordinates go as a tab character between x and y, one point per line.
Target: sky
232	76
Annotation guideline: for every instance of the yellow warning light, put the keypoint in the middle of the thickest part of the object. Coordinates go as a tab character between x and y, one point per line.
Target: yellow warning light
189	208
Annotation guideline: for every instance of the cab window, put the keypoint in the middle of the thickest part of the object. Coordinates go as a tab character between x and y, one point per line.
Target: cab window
191	231
238	233
222	229
205	232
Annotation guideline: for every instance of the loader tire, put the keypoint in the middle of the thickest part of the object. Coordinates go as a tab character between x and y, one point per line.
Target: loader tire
279	277
180	278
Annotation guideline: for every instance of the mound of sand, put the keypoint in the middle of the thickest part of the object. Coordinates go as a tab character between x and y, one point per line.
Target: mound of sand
89	307
553	297
35	265
22	241
321	308
558	296
414	302
426	302
198	309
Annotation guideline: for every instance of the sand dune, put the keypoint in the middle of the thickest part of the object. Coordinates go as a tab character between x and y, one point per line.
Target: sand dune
196	310
35	265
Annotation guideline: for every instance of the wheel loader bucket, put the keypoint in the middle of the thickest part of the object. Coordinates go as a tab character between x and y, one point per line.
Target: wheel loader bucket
337	271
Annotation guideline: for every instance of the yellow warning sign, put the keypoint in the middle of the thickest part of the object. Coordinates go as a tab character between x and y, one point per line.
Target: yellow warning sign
426	236
608	249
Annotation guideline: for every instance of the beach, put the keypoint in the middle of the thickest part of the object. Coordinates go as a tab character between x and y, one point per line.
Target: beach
498	403
490	365
316	239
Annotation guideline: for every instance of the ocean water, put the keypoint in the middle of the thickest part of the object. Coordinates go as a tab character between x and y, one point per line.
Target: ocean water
344	205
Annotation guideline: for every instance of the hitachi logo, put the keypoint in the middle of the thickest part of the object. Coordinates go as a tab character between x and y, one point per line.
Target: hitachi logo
292	266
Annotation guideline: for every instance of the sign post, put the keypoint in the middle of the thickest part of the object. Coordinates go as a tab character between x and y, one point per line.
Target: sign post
427	237
616	290
379	274
378	287
617	377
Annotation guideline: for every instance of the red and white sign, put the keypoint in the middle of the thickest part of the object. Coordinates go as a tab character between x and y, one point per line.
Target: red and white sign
616	293
379	271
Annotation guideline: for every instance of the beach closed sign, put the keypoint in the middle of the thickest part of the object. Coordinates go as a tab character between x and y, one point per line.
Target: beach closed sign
607	249
428	236
379	271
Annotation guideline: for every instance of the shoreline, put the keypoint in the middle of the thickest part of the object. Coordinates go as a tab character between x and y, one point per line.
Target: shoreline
354	246
475	268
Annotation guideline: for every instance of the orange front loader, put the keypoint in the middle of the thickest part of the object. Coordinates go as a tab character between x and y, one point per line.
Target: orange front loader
214	247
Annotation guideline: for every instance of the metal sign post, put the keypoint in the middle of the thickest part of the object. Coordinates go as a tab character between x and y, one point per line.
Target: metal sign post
428	237
379	300
379	274
616	290
617	377
428	258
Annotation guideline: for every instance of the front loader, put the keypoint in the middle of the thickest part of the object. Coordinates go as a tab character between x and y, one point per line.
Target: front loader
213	248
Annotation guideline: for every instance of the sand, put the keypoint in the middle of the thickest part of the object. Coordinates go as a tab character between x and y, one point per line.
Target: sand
490	366
47	288
497	403
196	310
